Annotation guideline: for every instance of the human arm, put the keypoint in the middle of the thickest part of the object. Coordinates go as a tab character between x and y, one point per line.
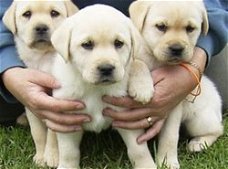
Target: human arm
217	36
8	54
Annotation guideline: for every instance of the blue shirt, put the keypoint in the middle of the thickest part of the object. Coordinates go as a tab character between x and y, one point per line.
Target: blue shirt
212	43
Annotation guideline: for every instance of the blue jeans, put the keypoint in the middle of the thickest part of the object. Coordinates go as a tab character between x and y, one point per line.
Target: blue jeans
9	112
218	73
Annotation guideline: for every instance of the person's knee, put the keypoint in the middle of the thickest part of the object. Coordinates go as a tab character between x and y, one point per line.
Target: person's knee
9	112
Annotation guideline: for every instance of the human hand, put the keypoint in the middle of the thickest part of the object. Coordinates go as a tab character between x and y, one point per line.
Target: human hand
32	88
172	85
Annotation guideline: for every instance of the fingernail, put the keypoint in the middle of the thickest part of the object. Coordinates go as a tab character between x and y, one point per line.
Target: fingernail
106	98
140	140
80	106
77	128
115	124
57	84
106	114
107	111
87	120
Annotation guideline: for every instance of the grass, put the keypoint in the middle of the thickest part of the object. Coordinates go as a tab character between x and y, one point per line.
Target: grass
106	151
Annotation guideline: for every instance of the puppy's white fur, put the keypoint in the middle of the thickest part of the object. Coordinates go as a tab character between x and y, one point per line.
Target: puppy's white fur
164	25
32	23
93	40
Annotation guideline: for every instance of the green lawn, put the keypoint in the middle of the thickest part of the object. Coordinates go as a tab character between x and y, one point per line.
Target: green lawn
106	151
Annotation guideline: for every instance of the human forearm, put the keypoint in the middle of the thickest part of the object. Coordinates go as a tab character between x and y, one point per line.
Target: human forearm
8	54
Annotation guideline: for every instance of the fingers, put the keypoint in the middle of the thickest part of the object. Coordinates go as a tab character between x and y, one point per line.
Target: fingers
128	115
151	132
65	118
62	128
140	124
64	122
46	102
122	102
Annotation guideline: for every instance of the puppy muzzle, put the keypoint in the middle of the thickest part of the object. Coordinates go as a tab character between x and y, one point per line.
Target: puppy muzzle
106	74
176	50
41	34
175	53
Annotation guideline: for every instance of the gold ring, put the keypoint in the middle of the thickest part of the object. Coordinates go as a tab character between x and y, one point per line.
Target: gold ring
149	120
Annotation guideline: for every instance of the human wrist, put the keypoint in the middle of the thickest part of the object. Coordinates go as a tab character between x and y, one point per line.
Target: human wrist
8	72
200	58
195	68
197	64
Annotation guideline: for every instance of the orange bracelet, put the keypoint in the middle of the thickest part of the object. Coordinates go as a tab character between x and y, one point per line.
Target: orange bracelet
193	64
198	91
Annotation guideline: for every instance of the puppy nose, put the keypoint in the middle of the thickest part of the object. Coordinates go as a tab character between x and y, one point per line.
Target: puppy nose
41	29
176	49
106	70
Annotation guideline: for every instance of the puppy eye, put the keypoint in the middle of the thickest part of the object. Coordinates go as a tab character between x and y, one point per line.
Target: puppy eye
88	45
190	29
54	13
118	44
27	14
161	27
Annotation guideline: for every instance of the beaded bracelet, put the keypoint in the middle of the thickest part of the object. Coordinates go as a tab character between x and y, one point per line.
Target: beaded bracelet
196	66
198	91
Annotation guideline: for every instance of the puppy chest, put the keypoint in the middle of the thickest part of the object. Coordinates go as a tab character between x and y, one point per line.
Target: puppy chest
40	62
94	107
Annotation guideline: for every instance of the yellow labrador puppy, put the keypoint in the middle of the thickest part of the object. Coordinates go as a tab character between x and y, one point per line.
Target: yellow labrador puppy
32	23
170	30
97	49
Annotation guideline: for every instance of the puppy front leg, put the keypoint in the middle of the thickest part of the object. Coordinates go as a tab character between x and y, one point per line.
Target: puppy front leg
69	150
168	139
51	154
39	135
138	154
140	82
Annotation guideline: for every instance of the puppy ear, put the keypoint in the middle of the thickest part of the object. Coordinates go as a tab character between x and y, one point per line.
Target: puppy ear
136	40
205	24
9	18
61	40
138	11
71	8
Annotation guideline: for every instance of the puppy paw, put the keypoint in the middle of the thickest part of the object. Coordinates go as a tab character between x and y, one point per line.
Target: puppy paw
68	168
197	145
144	162
170	163
51	153
174	166
22	120
146	166
51	156
52	161
39	160
141	95
140	82
141	92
